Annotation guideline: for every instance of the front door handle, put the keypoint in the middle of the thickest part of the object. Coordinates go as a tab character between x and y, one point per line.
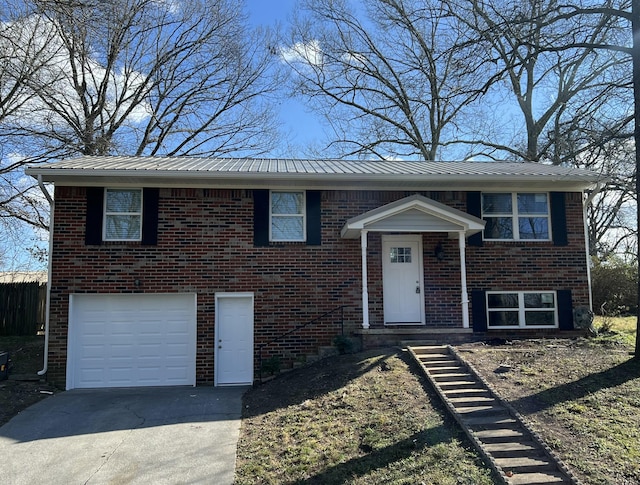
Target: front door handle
417	289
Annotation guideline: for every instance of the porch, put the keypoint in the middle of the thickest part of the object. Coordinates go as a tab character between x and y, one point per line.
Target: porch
401	227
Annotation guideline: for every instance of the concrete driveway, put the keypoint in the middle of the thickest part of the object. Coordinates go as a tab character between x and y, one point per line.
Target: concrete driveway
125	436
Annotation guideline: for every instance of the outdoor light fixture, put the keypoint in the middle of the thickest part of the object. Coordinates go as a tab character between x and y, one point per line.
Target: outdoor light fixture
438	252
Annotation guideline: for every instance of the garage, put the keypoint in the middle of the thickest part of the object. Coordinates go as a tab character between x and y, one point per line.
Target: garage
132	340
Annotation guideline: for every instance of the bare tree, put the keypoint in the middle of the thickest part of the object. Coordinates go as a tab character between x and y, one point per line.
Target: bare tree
555	80
26	52
610	216
128	77
389	76
635	30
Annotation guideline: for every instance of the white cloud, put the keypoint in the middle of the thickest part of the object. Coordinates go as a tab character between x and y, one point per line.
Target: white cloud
306	53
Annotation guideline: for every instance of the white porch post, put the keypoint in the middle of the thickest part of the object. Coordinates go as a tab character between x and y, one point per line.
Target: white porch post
463	278
365	291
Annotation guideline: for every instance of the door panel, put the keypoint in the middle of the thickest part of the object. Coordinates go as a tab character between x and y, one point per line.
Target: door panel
130	340
234	339
402	280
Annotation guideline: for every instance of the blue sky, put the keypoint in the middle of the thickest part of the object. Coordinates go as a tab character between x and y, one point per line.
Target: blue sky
302	126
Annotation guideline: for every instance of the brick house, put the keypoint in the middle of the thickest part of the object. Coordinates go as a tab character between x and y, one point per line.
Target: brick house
183	271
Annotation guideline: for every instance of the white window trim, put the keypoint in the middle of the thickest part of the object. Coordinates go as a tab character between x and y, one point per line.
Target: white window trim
303	215
514	215
106	213
521	310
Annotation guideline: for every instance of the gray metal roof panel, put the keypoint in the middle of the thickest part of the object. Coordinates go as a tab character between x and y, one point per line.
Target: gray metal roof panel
327	173
292	166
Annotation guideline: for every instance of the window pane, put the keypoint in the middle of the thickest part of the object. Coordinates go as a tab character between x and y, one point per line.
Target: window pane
498	228
502	300
286	228
122	227
540	318
533	227
532	204
496	204
286	202
503	319
400	255
539	300
121	200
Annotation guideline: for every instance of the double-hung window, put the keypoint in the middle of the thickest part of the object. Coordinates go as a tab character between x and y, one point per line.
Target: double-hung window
516	216
519	309
122	215
287	216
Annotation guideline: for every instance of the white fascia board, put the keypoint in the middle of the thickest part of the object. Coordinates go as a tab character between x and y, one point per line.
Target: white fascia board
235	180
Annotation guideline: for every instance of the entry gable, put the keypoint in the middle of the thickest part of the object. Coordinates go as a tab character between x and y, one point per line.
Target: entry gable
415	213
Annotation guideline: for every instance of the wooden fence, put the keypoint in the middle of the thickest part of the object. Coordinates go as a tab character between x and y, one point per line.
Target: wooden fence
22	308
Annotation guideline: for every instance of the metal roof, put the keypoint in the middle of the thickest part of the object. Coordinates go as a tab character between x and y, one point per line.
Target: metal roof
257	172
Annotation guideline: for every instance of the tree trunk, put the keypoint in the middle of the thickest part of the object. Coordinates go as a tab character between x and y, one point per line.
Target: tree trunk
635	28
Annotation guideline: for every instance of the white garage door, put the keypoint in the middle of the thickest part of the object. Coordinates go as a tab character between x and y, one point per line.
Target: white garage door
131	340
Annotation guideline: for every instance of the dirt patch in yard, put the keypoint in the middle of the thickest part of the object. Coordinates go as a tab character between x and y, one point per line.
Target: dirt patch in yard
24	387
582	396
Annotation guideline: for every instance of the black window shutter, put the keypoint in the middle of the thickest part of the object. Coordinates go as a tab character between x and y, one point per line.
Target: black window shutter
474	208
565	310
150	200
479	310
260	217
314	222
93	222
558	218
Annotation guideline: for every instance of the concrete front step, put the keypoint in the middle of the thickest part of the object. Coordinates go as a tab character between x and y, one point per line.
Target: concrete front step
497	433
502	435
481	411
439	362
548	478
472	401
525	464
462	384
440	370
491	421
430	349
477	392
453	376
514	448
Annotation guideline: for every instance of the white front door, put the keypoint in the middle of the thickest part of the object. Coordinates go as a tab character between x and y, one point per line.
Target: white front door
402	276
234	339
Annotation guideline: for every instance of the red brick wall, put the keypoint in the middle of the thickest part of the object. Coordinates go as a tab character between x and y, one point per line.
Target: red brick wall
205	245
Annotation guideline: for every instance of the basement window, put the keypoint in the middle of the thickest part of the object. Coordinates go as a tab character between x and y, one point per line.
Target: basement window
522	309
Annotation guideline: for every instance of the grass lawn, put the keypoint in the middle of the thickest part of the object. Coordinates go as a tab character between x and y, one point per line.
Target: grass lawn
369	418
361	419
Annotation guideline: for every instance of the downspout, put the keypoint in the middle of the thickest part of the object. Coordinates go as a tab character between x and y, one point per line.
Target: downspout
48	303
588	201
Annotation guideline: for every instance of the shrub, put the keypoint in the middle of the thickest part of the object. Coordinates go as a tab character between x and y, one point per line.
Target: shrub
614	285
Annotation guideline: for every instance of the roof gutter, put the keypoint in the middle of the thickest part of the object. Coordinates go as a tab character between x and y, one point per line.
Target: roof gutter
49	265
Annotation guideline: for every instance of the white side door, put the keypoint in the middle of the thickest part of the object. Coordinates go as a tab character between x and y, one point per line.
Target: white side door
403	285
234	339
